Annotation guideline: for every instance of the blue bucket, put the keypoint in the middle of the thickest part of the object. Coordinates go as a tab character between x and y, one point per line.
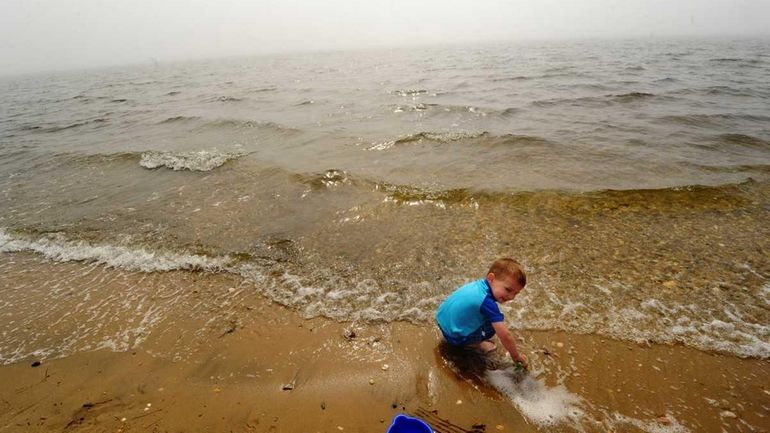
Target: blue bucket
407	424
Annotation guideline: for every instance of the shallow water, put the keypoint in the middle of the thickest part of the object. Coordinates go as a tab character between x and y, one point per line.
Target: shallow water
630	177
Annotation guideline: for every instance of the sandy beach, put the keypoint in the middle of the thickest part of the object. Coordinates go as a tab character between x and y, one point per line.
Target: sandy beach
261	367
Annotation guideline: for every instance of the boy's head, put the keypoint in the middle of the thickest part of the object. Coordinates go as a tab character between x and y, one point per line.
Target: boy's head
506	278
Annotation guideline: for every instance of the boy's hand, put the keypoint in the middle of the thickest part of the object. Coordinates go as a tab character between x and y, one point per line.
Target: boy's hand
521	359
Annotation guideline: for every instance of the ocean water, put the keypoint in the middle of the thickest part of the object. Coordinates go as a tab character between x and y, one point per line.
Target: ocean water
629	177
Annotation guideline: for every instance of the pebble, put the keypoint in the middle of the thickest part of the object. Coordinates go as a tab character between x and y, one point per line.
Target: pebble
231	289
728	414
371	381
459	402
500	427
36	364
123	419
560	344
385	367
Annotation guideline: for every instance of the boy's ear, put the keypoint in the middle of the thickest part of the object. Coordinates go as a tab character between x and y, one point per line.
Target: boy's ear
491	277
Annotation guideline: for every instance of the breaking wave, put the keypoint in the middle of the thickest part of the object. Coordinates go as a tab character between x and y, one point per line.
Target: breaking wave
193	161
59	249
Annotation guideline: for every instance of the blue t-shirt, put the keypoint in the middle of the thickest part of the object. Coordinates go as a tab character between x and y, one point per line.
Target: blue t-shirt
467	309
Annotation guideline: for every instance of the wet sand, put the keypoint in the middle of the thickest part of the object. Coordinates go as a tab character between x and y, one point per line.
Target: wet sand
233	378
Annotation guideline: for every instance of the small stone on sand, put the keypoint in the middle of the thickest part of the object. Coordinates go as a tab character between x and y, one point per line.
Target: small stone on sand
728	414
385	367
560	344
459	402
371	381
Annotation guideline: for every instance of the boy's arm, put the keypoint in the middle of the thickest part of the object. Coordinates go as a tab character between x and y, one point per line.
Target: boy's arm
508	342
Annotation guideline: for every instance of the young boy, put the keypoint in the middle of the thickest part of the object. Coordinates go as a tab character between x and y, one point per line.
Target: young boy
470	316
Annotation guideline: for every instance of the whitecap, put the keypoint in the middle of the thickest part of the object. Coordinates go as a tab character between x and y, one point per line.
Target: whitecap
194	161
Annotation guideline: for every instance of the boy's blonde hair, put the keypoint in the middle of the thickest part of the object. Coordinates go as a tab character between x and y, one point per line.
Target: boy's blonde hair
507	267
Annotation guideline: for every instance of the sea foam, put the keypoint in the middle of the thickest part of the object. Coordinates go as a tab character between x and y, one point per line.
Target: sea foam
322	294
540	404
58	249
556	406
193	161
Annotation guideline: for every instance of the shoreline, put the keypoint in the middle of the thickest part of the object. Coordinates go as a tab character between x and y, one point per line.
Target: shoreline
235	381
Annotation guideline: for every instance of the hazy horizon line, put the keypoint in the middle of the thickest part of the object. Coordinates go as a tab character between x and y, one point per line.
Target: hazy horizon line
152	61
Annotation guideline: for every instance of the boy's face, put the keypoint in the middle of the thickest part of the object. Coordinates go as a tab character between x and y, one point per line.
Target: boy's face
504	289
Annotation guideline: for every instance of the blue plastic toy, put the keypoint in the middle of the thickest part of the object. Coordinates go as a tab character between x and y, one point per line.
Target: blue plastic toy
407	424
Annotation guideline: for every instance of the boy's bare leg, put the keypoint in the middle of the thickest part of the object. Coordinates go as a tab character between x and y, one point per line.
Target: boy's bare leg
486	346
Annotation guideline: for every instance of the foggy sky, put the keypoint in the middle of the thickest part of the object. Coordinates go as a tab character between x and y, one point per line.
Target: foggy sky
40	35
